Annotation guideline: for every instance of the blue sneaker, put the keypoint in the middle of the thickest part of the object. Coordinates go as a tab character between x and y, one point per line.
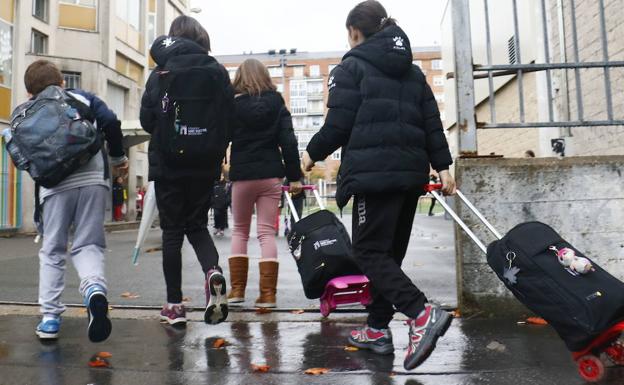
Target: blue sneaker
100	326
49	329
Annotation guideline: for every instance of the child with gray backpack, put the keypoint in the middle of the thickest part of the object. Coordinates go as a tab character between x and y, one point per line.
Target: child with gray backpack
57	136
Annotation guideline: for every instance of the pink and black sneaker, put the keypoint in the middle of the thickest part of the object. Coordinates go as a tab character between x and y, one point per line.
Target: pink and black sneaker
173	314
424	332
377	340
216	297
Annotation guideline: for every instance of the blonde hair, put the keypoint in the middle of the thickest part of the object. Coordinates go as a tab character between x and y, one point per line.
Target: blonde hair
252	77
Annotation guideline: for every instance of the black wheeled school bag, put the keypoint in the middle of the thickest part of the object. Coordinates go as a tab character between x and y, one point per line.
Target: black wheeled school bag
579	306
321	247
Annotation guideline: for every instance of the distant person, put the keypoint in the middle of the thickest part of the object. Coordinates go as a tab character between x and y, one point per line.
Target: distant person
529	154
119	198
186	108
220	205
384	115
140	195
78	202
264	150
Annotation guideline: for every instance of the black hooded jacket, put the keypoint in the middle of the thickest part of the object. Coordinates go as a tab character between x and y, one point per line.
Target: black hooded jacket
163	50
263	127
383	114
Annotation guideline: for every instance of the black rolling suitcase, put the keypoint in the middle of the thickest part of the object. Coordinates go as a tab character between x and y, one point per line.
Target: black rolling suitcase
321	247
580	307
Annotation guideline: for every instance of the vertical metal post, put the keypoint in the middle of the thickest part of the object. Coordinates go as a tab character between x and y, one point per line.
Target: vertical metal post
547	61
577	73
464	80
519	60
605	57
488	41
565	84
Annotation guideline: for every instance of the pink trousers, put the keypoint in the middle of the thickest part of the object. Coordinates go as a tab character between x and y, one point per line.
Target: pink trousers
265	195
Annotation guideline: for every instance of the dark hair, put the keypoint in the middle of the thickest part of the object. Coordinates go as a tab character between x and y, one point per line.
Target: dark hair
369	17
41	74
189	28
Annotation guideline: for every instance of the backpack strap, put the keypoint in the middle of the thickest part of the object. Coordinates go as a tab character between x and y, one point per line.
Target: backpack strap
37	213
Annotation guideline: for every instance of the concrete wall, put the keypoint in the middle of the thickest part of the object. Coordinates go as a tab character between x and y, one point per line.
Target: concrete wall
581	197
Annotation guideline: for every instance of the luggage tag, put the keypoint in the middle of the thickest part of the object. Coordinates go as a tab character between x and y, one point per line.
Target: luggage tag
510	272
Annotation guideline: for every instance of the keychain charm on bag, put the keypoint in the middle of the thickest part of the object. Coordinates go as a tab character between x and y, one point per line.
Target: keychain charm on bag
574	265
510	271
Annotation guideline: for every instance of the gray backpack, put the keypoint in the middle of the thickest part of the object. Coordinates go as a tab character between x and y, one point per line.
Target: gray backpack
52	136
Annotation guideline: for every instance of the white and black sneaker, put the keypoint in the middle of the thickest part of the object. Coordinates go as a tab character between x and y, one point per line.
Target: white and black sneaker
216	297
99	323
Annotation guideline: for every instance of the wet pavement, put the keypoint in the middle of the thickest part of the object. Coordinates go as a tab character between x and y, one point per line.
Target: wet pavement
430	262
148	352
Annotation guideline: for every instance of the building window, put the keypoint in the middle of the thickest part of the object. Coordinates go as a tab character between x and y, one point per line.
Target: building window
39	43
336	155
436	64
40	9
298	71
276	72
130	12
78	14
298	105
151	28
72	79
280	88
331	67
439	98
317	121
315	106
116	99
6	53
298	89
442	116
315	70
315	87
438	81
418	63
511	50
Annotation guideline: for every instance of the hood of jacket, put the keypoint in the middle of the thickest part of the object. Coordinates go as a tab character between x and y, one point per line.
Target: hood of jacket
258	110
389	50
166	47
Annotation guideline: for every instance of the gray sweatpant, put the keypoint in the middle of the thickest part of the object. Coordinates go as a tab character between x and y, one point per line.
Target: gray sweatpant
84	208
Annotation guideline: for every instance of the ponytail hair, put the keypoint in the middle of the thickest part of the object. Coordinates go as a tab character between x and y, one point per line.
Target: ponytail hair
369	17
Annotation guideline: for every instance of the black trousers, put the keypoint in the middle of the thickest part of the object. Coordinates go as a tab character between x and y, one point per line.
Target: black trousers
382	225
183	209
220	218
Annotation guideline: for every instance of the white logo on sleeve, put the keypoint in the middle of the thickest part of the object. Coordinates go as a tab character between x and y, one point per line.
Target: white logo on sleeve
331	83
398	43
324	243
168	42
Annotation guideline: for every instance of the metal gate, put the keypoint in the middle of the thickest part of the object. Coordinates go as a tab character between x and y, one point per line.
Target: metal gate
465	71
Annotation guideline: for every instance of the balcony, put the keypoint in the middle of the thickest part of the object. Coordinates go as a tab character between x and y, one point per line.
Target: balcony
315	95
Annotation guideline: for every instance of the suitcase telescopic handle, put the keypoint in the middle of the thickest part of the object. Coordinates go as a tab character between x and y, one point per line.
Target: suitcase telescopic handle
435	188
293	210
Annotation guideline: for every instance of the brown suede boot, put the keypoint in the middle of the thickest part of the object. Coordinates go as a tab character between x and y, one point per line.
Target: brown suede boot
268	283
239	265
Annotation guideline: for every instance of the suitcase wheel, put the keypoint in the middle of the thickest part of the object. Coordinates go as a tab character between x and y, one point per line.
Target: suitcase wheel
325	309
615	352
591	368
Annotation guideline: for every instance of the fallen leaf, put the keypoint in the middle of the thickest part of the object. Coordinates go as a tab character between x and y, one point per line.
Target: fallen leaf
153	249
262	310
316	371
186	299
536	321
219	343
496	346
300	311
351	349
104	355
129	295
260	368
456	313
99	362
392	374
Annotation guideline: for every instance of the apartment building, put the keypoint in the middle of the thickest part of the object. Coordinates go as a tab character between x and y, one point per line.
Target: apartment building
99	45
302	78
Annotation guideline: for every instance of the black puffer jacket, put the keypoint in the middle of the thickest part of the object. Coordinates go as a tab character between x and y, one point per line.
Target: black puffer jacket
186	51
384	116
262	128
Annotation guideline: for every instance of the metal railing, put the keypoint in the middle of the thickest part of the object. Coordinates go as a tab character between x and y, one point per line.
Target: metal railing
466	71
